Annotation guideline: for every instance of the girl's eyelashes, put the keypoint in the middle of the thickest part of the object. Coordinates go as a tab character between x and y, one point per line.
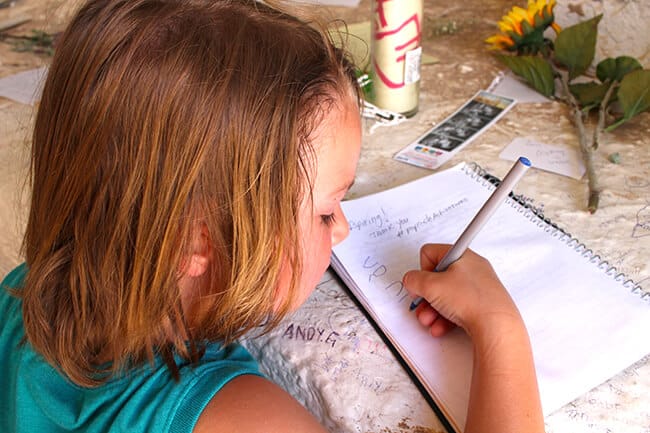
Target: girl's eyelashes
328	220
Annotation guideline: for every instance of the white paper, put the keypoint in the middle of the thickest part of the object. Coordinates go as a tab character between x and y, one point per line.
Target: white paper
510	86
412	64
24	87
556	159
585	325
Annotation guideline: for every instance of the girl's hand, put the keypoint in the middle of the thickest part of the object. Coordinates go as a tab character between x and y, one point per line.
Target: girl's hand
468	294
503	395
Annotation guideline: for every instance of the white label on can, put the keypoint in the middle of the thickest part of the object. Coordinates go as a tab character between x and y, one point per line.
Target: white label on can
412	61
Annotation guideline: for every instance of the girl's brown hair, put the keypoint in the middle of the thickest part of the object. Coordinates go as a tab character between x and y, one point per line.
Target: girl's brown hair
159	116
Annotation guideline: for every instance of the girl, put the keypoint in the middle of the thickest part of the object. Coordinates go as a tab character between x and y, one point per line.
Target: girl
188	161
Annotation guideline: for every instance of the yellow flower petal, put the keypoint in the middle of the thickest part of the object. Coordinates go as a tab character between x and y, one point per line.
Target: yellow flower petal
514	24
550	6
504	27
500	39
518	13
499	42
518	23
533	6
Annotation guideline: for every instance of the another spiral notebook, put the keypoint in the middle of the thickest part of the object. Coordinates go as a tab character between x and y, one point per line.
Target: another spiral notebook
586	321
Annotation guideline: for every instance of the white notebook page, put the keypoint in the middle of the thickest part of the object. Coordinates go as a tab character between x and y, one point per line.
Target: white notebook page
584	325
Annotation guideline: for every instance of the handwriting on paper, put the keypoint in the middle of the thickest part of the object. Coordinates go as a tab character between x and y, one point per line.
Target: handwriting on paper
377	270
384	225
379	223
556	159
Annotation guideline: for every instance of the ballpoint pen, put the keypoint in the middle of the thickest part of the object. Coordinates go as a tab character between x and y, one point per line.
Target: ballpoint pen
483	215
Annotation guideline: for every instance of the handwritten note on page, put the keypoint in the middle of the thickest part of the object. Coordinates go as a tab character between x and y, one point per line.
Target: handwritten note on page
556	159
562	292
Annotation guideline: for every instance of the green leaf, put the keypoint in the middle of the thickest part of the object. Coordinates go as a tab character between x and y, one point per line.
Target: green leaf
615	69
633	95
535	70
589	94
575	46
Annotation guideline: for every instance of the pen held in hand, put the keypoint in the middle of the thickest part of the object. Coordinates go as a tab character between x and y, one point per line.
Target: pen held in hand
483	215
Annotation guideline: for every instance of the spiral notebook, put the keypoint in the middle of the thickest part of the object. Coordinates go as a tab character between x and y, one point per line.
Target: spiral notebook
586	321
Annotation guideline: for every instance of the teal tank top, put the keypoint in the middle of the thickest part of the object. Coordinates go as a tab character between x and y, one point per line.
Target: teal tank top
35	397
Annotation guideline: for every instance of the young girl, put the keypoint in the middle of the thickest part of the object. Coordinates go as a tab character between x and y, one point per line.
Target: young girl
188	162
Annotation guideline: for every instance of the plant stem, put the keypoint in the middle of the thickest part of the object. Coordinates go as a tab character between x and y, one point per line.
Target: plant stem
586	148
602	110
12	22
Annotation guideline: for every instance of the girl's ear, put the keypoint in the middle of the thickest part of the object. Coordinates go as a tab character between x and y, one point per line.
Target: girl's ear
197	265
200	252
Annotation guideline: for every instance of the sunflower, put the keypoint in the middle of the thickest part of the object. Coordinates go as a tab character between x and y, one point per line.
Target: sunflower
522	30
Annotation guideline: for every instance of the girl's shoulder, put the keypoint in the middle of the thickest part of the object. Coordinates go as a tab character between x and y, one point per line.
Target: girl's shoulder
252	403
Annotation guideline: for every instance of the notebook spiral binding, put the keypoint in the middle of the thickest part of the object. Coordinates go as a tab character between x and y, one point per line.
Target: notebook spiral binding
536	215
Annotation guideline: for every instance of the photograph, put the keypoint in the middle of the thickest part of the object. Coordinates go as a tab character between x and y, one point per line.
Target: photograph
461	126
477	108
440	141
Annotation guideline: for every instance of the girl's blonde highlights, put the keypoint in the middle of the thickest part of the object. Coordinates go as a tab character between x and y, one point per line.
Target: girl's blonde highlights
158	116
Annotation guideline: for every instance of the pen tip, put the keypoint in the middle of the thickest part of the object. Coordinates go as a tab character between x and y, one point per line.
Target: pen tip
413	306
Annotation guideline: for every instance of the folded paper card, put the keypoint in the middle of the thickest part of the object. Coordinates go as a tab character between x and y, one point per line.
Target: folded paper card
24	87
562	160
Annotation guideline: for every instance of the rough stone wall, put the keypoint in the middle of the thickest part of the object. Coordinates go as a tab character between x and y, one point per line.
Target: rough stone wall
624	29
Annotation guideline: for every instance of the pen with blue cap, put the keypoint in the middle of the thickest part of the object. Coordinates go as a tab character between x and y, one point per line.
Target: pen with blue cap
483	215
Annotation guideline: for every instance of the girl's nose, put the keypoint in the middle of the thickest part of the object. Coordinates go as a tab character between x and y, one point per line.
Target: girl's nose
341	227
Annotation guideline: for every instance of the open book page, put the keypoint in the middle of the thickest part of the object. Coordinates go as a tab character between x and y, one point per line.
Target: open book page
585	325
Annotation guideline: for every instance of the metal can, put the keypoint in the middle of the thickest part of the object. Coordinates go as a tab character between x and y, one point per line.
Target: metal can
396	53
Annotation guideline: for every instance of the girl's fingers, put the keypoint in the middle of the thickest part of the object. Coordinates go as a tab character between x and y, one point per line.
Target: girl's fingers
420	283
431	255
441	326
425	314
430	318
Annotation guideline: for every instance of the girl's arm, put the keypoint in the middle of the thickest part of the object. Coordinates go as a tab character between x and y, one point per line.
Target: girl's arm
504	396
252	404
